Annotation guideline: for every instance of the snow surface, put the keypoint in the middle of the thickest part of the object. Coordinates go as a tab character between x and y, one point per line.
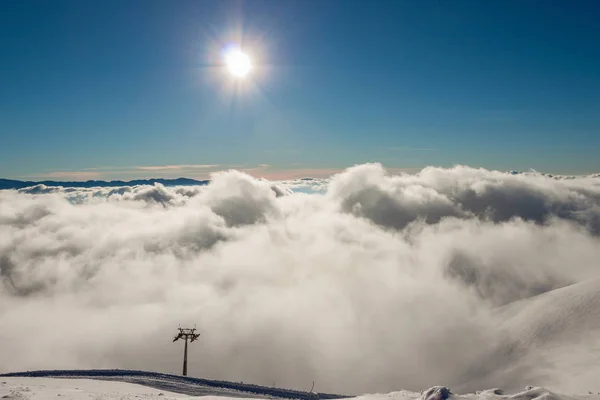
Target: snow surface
22	388
556	333
179	384
27	388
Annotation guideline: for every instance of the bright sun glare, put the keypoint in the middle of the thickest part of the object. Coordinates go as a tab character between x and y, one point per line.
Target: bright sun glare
238	63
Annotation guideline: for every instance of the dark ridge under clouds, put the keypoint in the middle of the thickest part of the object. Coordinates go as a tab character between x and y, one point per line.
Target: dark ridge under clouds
16	184
374	282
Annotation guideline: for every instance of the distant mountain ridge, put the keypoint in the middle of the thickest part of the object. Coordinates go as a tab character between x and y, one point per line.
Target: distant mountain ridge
15	184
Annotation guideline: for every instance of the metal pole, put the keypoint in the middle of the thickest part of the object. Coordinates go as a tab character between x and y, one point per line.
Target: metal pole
185	358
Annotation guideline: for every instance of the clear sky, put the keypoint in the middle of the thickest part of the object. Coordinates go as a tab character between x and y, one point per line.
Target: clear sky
124	89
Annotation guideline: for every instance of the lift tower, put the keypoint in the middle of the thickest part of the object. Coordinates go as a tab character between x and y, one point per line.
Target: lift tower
186	334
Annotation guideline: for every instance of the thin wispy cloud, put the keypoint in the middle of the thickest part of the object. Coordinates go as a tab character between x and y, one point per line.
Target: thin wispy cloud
178	167
68	175
132	172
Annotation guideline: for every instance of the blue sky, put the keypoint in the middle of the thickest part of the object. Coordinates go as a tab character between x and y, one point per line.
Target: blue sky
124	89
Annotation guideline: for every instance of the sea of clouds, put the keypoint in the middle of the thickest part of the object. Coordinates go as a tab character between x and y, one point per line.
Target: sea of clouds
362	282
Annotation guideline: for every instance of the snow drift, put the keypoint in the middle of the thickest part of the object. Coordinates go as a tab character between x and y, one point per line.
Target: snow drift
375	282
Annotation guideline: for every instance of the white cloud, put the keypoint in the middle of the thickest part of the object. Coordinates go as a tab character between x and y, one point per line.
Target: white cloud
381	282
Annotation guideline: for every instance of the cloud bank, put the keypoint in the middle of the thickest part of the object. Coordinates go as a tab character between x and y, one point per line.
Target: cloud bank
373	282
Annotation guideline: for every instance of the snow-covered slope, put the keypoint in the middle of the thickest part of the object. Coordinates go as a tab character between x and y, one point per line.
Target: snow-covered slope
556	334
25	388
560	331
177	383
28	388
565	313
443	393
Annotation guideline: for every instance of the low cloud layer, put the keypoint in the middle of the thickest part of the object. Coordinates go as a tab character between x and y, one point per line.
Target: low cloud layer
371	282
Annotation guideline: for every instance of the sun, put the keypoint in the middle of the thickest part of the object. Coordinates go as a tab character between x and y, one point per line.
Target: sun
238	63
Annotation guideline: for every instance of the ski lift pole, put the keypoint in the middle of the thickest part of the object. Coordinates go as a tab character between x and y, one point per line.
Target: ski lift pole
186	334
185	358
